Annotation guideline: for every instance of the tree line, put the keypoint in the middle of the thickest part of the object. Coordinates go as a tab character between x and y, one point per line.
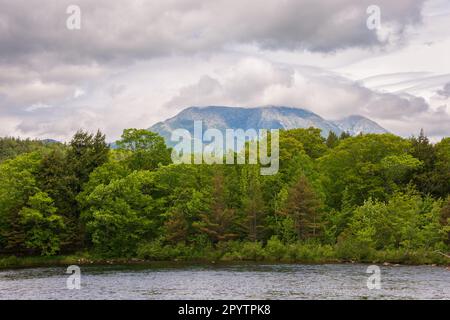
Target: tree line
351	195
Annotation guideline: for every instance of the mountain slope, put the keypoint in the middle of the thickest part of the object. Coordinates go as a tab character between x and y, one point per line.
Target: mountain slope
268	117
359	124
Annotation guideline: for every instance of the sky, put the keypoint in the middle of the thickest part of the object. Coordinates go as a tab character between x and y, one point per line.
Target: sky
134	63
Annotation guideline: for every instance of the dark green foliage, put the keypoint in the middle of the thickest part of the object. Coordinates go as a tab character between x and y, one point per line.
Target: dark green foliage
12	147
332	140
344	135
304	207
253	204
85	153
445	219
433	177
219	221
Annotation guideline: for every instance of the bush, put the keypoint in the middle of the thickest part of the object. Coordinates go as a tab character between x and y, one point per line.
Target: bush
9	262
275	249
252	251
352	249
153	251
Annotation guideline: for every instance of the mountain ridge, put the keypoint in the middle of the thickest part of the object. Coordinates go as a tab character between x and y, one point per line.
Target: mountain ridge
264	117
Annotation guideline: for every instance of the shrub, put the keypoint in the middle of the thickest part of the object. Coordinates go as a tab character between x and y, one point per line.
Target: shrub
275	249
352	249
153	251
252	251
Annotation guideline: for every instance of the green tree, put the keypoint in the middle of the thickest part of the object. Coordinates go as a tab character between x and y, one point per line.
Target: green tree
363	167
17	185
120	214
345	135
332	140
43	226
406	221
445	219
11	147
147	150
422	149
304	207
219	221
441	172
253	204
62	175
312	141
176	226
57	181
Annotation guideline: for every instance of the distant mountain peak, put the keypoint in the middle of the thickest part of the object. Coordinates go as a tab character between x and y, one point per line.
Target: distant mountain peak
356	124
264	117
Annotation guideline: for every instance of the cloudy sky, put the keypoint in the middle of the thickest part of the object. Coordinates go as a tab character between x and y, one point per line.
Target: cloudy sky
133	63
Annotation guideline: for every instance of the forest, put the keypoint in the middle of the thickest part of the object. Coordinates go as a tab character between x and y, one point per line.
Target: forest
366	198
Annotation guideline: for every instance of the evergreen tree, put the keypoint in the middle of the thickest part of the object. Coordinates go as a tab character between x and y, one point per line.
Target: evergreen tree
220	221
85	153
176	227
332	140
422	149
254	207
303	206
345	135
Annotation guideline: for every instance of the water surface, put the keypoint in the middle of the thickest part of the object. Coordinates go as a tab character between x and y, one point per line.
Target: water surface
332	281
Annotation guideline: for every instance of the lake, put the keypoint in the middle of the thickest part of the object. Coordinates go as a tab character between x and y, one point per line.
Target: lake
244	281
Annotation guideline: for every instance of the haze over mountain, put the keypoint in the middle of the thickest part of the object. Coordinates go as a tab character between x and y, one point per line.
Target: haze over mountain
267	117
358	124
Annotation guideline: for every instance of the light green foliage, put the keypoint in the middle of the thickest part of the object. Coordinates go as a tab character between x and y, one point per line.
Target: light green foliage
363	167
120	214
311	140
17	184
43	227
396	168
406	221
146	150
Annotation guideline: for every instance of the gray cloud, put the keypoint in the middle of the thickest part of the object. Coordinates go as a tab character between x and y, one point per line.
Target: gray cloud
445	92
42	61
53	80
243	82
254	82
114	30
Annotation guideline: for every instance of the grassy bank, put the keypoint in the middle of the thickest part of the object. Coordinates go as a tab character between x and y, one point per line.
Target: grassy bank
273	252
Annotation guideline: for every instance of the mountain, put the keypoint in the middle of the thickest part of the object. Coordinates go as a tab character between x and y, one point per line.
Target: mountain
359	124
267	117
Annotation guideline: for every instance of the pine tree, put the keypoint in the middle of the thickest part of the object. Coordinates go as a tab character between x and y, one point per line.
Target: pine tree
345	135
176	227
254	208
423	150
332	140
303	207
219	222
86	152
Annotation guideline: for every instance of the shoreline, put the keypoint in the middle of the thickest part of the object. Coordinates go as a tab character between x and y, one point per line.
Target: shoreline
17	263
